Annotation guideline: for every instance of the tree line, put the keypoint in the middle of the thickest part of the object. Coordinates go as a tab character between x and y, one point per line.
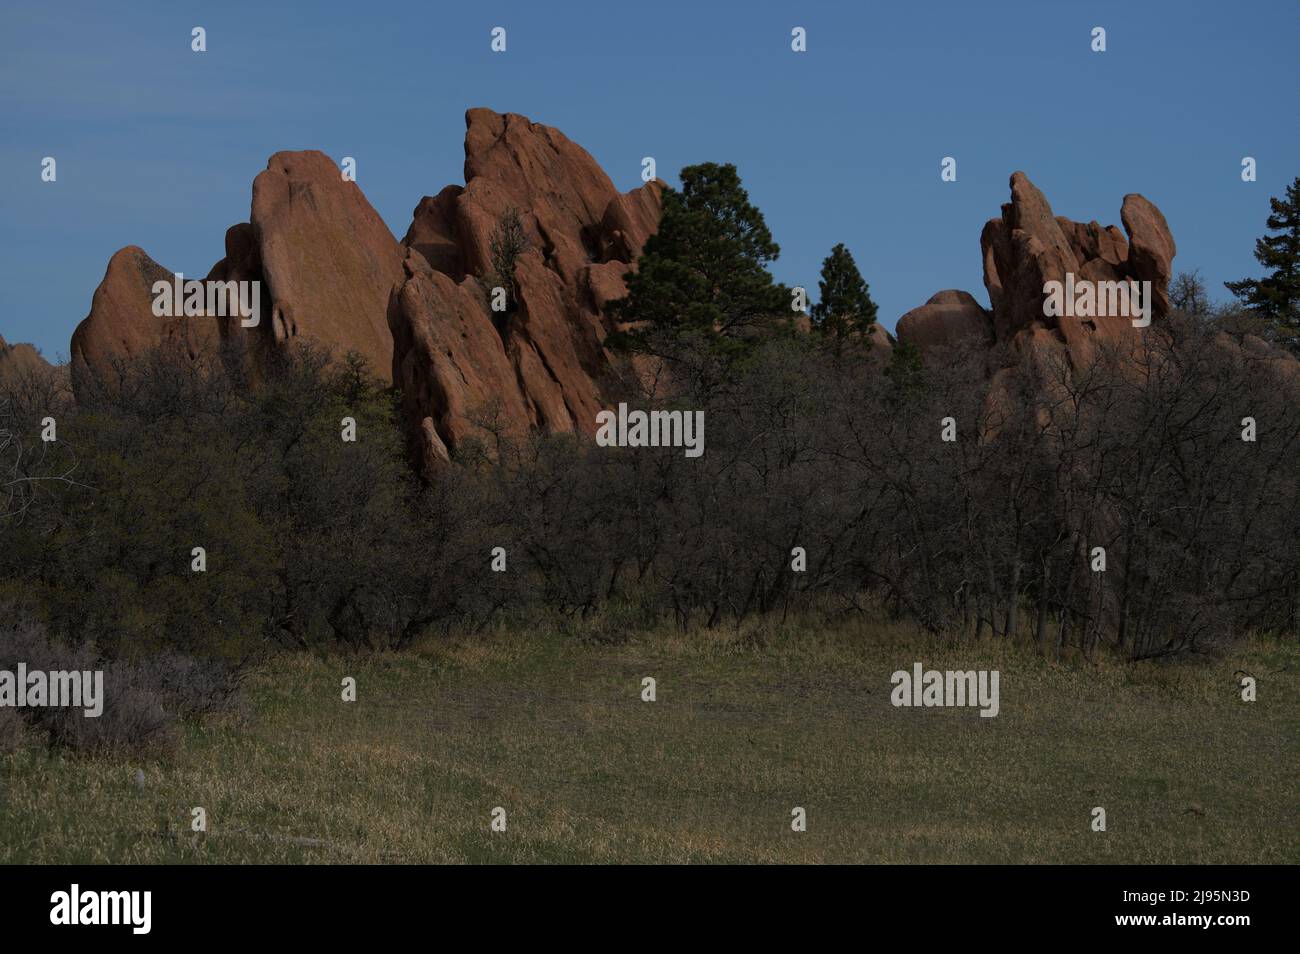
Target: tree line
1113	506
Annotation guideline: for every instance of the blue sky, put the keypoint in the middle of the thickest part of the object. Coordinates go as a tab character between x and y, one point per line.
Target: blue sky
158	146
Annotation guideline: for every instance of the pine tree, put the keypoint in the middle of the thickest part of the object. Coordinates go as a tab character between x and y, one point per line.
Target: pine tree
1276	298
703	274
845	306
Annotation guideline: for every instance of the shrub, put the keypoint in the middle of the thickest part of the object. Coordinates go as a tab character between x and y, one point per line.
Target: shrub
143	702
508	242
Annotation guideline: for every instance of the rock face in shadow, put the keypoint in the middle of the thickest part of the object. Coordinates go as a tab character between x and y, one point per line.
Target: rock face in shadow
540	363
947	319
20	362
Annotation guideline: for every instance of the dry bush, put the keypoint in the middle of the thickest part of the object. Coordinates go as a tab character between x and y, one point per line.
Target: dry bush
143	701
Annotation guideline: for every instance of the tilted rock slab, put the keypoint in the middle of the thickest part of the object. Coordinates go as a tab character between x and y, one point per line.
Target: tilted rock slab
121	323
457	363
332	274
326	261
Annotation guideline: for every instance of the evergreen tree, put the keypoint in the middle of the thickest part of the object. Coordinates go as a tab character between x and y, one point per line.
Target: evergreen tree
845	306
1276	298
703	275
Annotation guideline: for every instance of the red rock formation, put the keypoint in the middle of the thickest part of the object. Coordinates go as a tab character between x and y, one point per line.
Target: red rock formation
1029	246
882	346
1257	353
20	362
541	365
243	263
328	260
947	319
333	274
325	260
1151	247
121	323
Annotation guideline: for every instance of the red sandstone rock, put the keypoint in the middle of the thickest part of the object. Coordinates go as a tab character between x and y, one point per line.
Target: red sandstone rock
881	345
1028	246
948	318
1024	249
20	358
540	365
20	363
121	323
433	232
449	360
1151	248
325	260
328	260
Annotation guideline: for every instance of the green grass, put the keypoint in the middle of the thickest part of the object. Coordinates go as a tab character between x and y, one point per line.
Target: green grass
554	731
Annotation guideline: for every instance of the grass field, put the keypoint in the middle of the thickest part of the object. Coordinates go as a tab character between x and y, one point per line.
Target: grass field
554	731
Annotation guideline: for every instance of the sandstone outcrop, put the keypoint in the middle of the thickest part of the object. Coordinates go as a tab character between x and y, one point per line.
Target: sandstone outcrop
1258	354
121	323
20	362
419	311
324	259
328	261
1029	246
540	364
947	319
